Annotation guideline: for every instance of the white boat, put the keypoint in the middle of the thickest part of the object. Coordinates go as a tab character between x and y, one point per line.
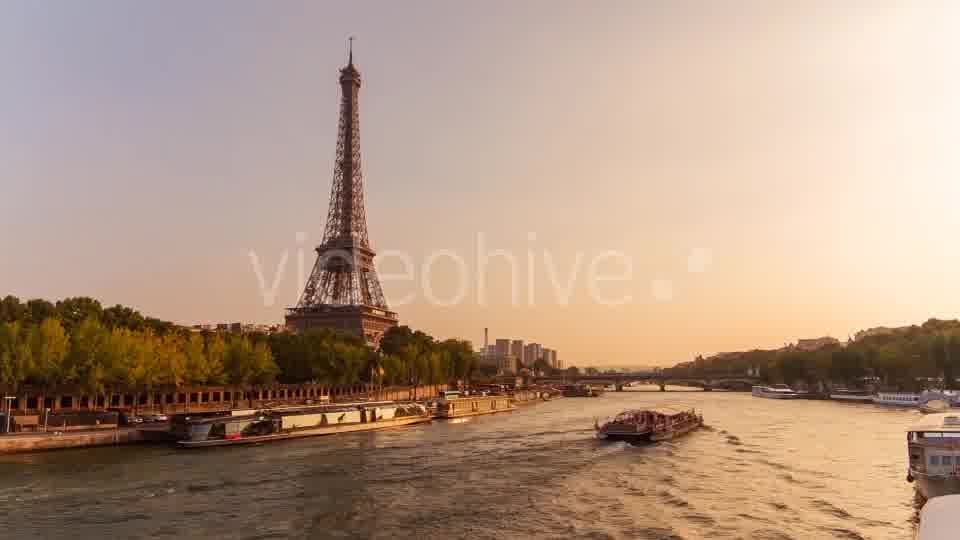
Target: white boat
933	451
777	391
656	424
843	394
897	399
910	399
940	519
282	423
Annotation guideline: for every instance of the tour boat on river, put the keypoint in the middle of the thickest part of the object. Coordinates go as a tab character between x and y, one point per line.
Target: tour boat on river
777	391
933	448
247	427
655	424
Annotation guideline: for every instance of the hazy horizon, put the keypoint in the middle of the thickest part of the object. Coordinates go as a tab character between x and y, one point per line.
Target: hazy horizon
772	171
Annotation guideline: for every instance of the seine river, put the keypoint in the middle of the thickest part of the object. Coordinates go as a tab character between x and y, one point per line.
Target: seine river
762	469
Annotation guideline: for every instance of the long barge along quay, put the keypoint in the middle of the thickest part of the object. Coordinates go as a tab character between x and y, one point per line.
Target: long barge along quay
251	427
200	402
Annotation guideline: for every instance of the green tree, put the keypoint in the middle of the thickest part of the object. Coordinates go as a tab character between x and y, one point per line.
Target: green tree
953	361
74	310
460	357
394	369
203	360
39	310
846	366
123	317
84	363
57	357
247	364
792	366
11	310
16	357
165	358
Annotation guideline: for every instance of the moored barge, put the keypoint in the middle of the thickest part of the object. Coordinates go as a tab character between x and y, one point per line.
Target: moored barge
933	448
472	406
655	424
777	391
580	390
249	427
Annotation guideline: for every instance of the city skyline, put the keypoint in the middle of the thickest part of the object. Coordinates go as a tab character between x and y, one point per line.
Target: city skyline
772	173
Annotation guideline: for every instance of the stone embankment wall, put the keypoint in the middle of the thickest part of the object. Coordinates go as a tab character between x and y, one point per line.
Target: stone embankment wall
55	440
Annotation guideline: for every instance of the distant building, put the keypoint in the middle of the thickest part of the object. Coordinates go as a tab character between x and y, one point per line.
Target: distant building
816	343
237	328
516	349
502	347
550	357
507	364
532	352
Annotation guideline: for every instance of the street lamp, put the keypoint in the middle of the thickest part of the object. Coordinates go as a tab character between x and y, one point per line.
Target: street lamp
9	400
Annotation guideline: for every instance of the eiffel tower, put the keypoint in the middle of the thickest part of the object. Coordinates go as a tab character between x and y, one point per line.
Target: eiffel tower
343	291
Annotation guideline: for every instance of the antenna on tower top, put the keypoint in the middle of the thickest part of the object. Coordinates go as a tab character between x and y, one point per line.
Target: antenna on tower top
350	62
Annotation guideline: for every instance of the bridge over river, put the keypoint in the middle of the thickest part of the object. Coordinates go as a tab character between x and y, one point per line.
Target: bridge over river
726	381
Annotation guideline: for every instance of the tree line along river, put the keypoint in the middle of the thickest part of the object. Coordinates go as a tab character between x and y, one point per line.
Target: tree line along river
760	469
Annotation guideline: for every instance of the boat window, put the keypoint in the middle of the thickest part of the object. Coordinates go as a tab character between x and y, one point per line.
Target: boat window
935	460
941	434
946	460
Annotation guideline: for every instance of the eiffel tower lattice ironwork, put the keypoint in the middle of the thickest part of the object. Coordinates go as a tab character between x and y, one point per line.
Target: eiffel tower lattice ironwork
343	290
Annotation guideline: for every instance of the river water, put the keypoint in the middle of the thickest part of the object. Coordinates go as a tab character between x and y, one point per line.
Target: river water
762	469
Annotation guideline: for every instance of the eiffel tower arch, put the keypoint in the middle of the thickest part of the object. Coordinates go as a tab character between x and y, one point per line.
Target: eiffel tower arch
343	291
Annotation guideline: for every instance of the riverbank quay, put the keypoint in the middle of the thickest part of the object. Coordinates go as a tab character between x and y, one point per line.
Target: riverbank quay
15	443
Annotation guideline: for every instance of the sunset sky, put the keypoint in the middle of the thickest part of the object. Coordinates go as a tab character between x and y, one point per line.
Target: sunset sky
773	170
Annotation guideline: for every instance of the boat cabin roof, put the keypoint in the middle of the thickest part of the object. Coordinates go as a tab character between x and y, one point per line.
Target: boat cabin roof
469	398
222	419
938	422
288	411
663	410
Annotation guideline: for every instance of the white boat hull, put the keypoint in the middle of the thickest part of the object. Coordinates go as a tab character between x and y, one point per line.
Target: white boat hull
885	403
310	432
676	432
856	399
775	395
